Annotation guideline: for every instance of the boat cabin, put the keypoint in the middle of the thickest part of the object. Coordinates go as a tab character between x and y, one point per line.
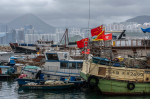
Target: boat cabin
4	69
62	63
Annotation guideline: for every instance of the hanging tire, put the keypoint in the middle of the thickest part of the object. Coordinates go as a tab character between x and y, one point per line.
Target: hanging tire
93	81
130	86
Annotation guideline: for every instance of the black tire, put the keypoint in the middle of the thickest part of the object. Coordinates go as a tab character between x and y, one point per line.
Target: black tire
130	86
95	83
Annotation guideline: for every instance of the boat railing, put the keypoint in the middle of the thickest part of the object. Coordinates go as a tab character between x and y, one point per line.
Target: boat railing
131	43
105	61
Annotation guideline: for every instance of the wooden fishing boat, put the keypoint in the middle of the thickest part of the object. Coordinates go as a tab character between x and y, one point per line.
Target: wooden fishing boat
24	81
23	49
116	78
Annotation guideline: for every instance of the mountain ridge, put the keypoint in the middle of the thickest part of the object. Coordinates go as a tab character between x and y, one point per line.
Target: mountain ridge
30	19
139	19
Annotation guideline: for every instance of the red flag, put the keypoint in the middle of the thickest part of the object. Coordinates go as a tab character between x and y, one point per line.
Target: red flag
96	30
82	43
86	52
100	36
107	37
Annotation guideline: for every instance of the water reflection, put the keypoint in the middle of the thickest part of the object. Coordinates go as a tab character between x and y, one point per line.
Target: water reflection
48	94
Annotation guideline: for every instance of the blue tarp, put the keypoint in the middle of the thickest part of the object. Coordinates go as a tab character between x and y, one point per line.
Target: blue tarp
102	59
32	67
12	57
146	30
4	66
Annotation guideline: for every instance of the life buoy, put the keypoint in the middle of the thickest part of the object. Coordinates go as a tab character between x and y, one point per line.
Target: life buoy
130	86
93	81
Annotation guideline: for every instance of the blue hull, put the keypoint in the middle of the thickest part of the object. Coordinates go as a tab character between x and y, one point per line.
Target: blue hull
25	81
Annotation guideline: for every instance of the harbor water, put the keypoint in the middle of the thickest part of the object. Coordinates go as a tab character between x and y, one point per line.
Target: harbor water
10	90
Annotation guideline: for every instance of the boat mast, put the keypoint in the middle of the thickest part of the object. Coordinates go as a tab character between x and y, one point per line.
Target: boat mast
65	36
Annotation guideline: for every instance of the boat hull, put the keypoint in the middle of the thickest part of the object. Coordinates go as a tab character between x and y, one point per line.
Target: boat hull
43	87
117	87
20	49
22	82
5	77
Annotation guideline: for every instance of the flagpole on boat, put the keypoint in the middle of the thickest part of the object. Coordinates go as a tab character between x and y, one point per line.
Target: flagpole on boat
88	30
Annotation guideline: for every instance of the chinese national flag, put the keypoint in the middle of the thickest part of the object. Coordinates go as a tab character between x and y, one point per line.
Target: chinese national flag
86	52
96	30
82	43
107	37
100	36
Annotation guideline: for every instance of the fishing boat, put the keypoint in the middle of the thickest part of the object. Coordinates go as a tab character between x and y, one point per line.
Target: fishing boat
23	48
7	73
61	64
48	85
25	81
30	48
58	66
117	78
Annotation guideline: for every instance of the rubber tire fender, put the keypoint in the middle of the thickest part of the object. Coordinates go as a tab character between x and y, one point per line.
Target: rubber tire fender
130	86
96	80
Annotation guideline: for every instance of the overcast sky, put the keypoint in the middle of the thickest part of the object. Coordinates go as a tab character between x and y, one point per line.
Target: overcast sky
68	13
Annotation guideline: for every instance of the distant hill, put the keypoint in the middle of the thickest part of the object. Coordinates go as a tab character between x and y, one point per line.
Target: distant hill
30	19
139	19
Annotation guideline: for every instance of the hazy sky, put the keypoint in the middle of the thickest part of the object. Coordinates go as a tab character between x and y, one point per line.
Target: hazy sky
65	13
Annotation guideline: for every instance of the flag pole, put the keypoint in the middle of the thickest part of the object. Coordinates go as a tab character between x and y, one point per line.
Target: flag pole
86	56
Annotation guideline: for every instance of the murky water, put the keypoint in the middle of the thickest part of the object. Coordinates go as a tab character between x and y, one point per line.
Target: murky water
10	90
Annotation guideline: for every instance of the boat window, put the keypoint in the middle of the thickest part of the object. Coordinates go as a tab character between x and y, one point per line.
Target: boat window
79	65
63	65
52	56
102	71
72	65
65	55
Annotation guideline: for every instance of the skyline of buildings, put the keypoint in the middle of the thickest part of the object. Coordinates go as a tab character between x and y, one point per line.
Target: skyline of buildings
28	34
